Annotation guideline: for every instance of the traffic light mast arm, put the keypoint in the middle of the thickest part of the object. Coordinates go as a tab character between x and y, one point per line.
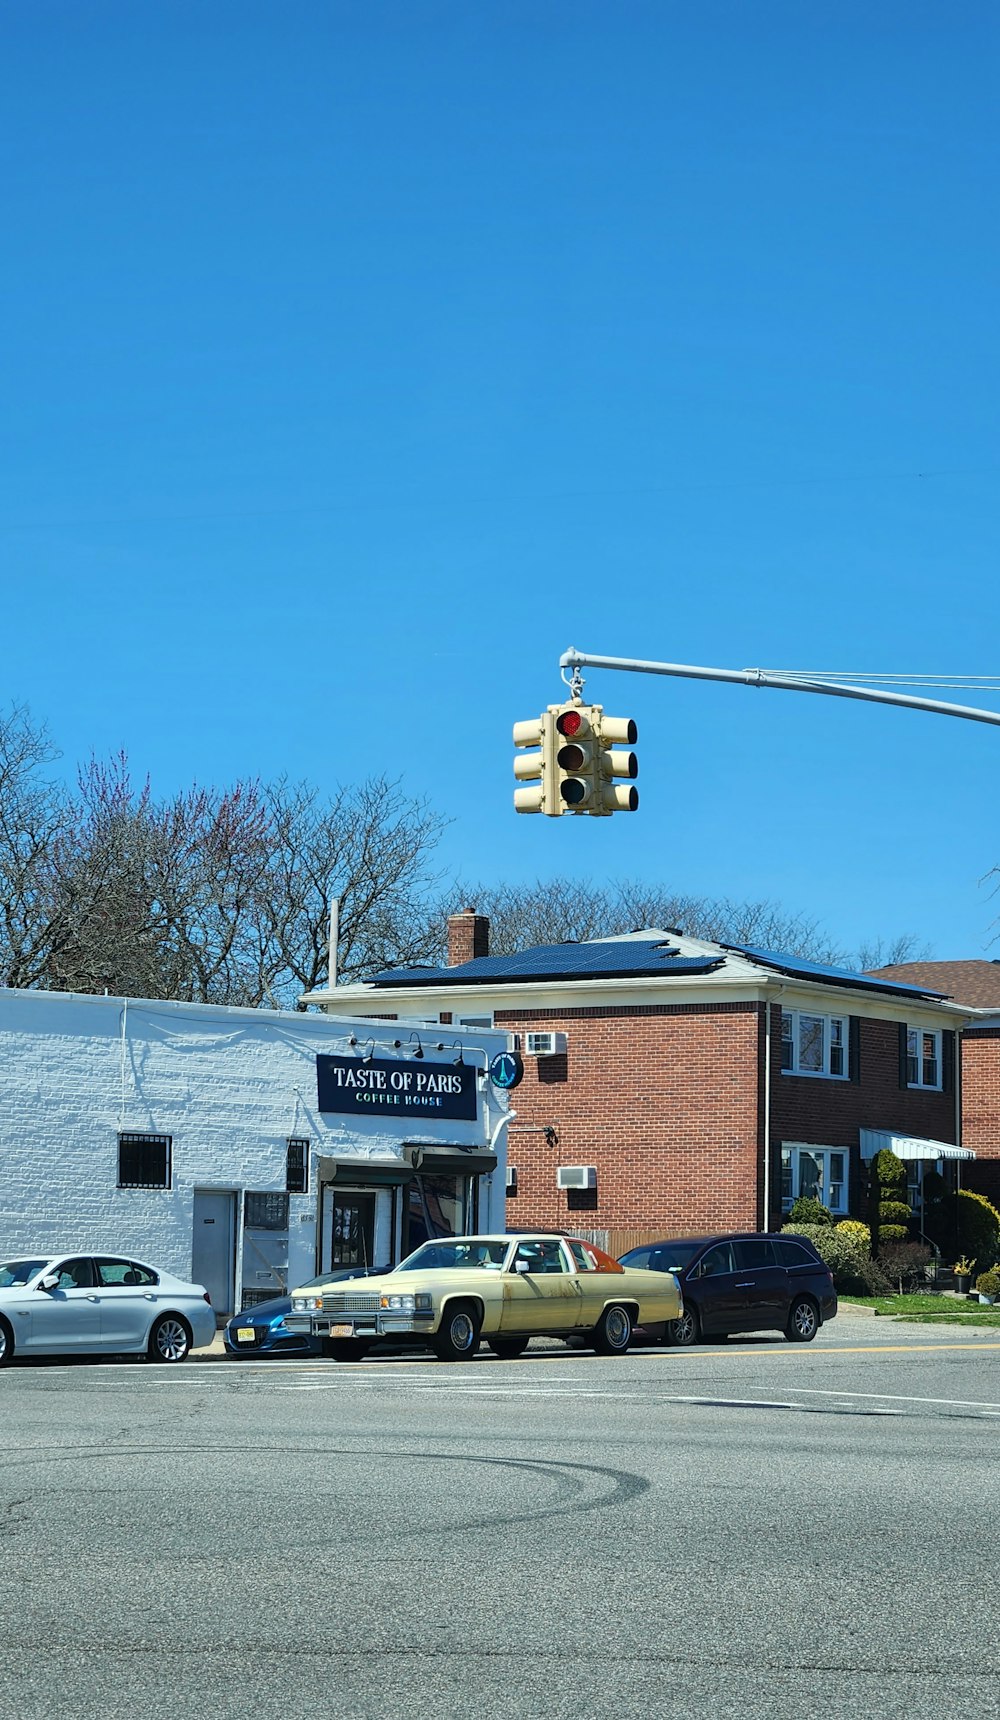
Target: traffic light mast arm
791	683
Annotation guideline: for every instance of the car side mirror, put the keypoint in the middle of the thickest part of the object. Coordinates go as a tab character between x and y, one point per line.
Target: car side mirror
49	1282
522	1266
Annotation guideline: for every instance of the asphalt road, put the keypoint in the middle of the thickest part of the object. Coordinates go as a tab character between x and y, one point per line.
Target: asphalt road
744	1529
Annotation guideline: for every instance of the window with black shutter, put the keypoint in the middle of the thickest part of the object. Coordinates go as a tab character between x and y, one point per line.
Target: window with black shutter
144	1161
297	1167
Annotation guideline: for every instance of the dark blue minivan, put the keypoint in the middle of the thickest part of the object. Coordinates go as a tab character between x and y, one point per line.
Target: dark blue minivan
750	1282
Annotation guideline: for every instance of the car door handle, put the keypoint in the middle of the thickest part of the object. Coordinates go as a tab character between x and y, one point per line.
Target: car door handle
747	1284
91	1298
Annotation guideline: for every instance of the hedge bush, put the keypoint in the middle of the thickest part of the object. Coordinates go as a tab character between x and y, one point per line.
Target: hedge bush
808	1210
858	1232
890	1234
988	1283
845	1255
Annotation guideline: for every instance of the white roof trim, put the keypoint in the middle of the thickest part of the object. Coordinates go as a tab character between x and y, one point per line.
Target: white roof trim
909	1146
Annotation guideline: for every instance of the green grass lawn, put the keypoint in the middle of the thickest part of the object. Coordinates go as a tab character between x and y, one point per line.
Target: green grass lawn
930	1310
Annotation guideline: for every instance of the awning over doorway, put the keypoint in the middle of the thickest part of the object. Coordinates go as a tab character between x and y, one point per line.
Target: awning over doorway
909	1146
364	1173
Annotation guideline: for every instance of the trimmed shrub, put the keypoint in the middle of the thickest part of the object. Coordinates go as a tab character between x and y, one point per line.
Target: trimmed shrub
888	1179
988	1283
978	1227
893	1212
808	1210
857	1231
844	1256
890	1234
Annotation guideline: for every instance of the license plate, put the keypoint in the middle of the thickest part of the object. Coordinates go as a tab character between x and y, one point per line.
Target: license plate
245	1334
341	1331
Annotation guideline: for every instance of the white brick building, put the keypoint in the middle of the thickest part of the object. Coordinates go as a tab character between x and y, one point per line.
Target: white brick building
192	1136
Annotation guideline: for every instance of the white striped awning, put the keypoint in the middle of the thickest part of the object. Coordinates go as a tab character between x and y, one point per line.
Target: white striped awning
909	1146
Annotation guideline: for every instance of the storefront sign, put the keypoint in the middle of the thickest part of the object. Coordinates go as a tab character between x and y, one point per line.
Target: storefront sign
389	1087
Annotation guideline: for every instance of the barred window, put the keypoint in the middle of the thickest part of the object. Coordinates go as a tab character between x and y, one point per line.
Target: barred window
265	1211
144	1161
297	1167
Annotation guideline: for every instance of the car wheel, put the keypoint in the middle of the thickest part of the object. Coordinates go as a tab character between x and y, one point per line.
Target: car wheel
508	1349
803	1321
613	1332
457	1338
685	1331
6	1344
345	1349
170	1339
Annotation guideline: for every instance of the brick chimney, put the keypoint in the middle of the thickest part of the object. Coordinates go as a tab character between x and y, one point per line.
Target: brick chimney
468	936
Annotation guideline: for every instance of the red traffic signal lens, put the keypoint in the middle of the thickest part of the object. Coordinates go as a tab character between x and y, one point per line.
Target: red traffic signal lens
569	723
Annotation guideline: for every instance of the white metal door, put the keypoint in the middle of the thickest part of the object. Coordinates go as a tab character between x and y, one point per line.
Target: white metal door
213	1248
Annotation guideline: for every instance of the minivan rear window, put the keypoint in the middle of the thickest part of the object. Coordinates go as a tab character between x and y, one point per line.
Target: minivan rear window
793	1253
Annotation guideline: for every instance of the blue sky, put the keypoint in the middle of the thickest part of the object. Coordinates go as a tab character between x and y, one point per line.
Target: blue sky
360	358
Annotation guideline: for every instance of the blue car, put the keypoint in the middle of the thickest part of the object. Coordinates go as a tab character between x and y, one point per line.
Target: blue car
262	1331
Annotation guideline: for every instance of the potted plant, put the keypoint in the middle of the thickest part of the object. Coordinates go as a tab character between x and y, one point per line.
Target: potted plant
963	1274
988	1285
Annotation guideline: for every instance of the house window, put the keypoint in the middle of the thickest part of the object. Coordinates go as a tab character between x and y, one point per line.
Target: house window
814	1044
297	1167
817	1172
923	1058
144	1161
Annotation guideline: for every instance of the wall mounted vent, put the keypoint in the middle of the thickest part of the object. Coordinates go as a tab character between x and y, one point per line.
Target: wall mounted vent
511	1179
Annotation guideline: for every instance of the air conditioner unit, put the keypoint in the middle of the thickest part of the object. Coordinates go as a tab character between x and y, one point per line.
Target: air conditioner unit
544	1044
576	1176
511	1179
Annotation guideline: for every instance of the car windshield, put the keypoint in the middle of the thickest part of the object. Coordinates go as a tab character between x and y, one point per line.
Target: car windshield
15	1272
466	1251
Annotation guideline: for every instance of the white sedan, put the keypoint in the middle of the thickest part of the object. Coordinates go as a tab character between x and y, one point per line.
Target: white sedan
81	1304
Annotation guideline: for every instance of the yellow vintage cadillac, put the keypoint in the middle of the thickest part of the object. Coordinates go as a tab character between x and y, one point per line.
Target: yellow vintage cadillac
507	1289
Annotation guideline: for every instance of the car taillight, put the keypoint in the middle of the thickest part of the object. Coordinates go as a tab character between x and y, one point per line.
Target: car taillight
206	1298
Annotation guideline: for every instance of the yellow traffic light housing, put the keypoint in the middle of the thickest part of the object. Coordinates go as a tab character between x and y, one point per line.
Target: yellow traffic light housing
575	764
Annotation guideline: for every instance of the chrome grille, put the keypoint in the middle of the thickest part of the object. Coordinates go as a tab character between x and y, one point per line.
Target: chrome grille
364	1303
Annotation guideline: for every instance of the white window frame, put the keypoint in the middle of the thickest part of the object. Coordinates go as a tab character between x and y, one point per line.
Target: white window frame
836	1037
834	1195
917	1057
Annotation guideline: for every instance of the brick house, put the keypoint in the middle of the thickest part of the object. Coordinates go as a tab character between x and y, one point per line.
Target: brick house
680	1085
975	985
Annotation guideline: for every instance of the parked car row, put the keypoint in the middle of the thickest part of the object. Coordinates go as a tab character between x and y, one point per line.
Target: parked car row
447	1297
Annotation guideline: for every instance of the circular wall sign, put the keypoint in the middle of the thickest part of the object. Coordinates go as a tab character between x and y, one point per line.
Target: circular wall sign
506	1069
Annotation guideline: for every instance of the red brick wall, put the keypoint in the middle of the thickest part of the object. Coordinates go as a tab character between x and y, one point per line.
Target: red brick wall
663	1101
830	1113
981	1092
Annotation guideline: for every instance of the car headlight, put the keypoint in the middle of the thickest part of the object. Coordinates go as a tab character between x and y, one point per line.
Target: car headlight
399	1304
304	1304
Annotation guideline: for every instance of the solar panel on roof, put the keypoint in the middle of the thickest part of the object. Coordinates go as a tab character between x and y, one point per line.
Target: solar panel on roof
609	959
818	970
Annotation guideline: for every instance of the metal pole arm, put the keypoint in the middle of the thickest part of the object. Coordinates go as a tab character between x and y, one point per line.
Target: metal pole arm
573	659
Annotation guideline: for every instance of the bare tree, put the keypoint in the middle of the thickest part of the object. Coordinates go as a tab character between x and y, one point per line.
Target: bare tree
214	895
892	952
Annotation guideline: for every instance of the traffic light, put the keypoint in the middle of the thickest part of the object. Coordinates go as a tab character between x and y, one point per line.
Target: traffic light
536	768
575	766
